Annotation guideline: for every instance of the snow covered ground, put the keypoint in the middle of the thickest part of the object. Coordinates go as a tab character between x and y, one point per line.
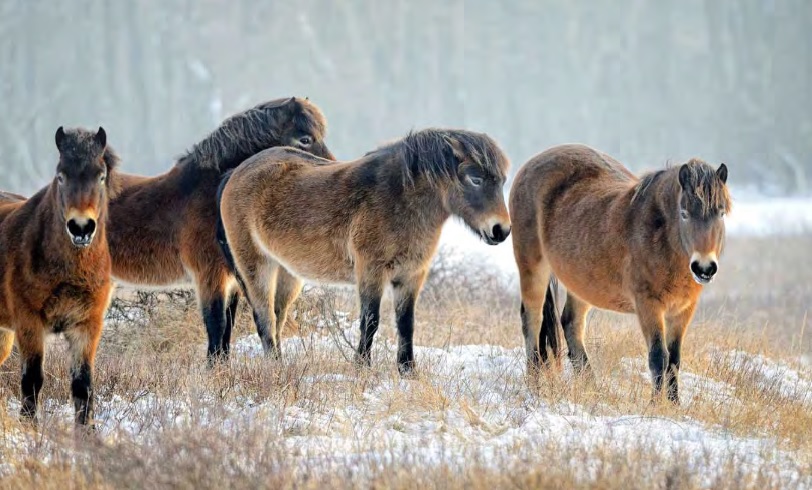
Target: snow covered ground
485	413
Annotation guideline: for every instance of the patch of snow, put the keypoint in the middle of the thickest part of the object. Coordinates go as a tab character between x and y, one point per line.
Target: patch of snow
769	375
470	404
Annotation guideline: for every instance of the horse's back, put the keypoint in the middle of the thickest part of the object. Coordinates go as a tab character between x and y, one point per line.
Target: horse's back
9	202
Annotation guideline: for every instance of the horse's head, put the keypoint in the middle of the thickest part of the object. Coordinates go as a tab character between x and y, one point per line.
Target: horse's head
704	201
306	128
480	171
83	181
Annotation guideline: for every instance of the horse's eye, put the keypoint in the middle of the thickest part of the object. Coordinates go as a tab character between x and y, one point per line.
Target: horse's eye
306	140
60	177
475	181
721	213
683	213
102	178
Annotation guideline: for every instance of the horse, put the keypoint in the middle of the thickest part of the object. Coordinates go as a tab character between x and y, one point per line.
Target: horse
162	231
371	222
55	266
617	242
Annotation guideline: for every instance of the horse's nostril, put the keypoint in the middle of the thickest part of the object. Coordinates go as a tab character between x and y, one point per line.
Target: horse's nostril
712	268
707	271
499	233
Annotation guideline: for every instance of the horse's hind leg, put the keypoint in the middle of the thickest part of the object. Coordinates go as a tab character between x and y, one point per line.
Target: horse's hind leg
231	319
288	288
534	279
573	321
406	294
84	340
212	294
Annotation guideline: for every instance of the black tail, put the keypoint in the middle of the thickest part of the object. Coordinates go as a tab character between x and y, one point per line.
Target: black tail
550	335
222	240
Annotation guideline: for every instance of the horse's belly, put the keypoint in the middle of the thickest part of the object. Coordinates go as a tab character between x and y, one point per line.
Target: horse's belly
315	264
596	288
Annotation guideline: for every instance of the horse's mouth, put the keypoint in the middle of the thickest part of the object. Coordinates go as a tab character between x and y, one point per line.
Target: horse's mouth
702	279
487	239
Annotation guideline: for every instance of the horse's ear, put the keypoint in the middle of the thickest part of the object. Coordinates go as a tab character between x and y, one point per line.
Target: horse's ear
101	137
721	172
59	137
684	176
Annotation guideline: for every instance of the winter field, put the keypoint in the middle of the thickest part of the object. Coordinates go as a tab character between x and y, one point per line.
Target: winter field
469	419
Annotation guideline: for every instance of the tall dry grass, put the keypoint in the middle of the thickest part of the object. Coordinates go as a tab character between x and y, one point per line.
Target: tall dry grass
173	423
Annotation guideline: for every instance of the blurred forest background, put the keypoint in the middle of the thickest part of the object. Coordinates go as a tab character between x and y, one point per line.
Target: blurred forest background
646	81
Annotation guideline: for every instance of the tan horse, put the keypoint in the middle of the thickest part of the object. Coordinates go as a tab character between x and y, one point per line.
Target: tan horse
644	246
55	266
371	222
162	231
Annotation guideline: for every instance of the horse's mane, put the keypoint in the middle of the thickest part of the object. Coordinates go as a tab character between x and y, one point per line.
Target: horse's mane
430	153
709	191
251	131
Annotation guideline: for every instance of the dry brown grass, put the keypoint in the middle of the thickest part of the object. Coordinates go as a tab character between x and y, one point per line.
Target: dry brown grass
315	421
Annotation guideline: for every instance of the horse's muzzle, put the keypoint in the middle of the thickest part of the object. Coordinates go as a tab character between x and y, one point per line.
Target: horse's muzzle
704	273
496	235
81	231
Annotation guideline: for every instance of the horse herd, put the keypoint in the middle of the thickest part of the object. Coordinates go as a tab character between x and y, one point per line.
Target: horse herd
260	205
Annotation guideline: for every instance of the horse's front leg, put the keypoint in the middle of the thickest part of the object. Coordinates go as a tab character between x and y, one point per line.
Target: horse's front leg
370	290
677	326
652	322
406	292
31	342
84	340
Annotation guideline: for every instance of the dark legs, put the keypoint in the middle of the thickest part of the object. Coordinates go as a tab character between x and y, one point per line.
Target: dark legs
677	326
370	318
573	321
214	317
406	293
231	320
31	384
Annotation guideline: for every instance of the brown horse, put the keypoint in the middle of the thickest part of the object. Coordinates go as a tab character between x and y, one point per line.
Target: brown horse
371	222
162	231
644	246
55	266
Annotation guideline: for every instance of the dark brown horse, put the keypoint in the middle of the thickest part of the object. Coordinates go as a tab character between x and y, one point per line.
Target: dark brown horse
162	231
55	266
618	242
371	222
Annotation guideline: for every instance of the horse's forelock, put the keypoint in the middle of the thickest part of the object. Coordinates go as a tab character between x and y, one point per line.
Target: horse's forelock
707	188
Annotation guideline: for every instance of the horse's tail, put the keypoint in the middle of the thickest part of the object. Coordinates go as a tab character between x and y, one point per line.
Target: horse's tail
550	335
222	239
6	343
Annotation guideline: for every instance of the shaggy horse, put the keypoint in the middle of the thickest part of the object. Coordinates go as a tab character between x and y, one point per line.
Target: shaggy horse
620	243
371	222
162	231
55	266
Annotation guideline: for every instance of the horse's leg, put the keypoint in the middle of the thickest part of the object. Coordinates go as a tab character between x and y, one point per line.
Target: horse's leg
262	293
31	342
677	326
231	319
288	288
652	322
549	337
84	340
534	280
6	343
370	290
573	320
406	293
211	293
